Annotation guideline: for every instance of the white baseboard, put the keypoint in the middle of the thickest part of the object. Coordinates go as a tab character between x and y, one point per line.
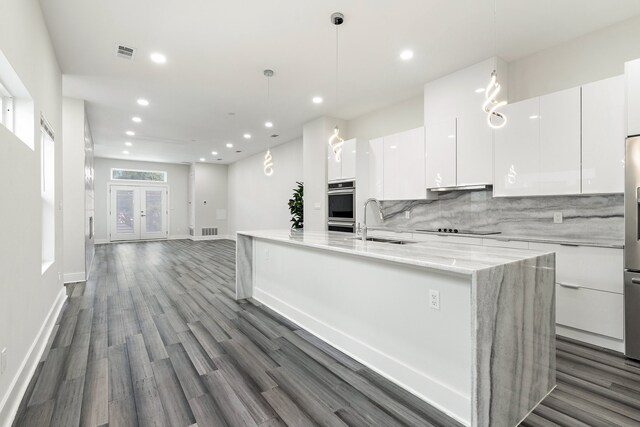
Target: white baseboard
179	237
590	338
221	237
74	277
11	401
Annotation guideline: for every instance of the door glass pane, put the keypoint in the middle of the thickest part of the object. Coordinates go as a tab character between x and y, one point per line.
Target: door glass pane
153	220
124	211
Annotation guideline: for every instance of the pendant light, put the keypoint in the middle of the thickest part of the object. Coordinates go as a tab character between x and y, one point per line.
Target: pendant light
268	158
495	119
335	141
268	163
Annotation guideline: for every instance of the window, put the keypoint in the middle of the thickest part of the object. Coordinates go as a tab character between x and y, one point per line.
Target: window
138	175
6	108
48	193
16	104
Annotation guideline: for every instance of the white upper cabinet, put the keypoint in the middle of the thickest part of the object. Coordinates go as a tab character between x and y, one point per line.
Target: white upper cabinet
346	167
559	119
376	168
517	151
404	166
349	159
603	135
632	74
440	137
459	142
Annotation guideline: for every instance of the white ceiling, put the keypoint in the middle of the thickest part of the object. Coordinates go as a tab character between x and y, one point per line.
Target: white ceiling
217	51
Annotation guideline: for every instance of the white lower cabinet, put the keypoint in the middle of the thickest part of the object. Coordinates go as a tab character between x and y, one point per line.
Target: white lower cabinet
589	289
589	310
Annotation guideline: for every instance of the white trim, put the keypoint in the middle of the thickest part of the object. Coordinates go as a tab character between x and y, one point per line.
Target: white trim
75	277
219	237
179	237
11	400
100	241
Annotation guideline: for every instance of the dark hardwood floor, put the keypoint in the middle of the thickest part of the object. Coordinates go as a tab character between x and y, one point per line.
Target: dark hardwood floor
155	338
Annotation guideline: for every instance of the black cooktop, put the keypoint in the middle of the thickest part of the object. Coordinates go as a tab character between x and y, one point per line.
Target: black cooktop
457	231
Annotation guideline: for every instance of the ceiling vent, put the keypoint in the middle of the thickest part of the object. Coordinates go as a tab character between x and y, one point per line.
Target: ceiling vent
125	52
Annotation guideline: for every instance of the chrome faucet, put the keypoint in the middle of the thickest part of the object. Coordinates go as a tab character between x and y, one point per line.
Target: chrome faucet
364	226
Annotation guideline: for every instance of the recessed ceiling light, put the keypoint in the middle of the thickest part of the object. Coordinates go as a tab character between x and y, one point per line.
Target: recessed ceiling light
480	90
128	144
130	133
214	153
247	136
317	100
158	58
136	119
125	152
229	145
268	124
406	55
143	102
533	117
393	147
202	159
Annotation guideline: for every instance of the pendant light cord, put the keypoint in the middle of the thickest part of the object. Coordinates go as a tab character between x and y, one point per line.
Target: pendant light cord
337	58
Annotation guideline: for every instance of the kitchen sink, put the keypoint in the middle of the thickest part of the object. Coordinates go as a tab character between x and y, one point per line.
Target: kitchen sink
383	240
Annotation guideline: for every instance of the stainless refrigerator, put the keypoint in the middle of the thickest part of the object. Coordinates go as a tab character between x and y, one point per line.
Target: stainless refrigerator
632	247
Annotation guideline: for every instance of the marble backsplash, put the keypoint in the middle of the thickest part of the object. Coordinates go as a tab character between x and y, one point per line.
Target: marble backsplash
592	216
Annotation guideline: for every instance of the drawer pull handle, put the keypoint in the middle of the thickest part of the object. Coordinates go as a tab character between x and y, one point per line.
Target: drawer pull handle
569	285
569	244
635	281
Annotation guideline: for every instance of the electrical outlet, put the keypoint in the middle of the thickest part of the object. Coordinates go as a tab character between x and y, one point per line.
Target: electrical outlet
3	361
557	217
407	215
434	299
316	206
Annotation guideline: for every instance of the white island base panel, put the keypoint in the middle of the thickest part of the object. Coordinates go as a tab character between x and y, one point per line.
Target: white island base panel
485	357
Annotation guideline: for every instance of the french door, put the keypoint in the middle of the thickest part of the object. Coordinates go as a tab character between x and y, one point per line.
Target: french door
138	213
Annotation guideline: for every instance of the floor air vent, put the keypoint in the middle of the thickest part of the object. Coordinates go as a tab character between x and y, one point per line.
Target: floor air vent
210	231
125	52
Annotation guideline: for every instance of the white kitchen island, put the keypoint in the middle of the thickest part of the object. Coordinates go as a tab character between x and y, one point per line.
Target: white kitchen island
485	356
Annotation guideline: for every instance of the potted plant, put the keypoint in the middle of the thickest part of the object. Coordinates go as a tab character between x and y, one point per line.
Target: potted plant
296	207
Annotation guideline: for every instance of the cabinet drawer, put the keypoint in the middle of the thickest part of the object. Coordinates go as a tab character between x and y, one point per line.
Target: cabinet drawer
516	244
589	310
587	267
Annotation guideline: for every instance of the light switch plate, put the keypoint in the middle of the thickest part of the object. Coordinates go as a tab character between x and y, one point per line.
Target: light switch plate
316	206
434	299
557	217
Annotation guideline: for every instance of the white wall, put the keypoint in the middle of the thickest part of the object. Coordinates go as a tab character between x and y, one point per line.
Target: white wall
210	197
177	177
405	115
257	201
315	137
28	296
74	189
592	57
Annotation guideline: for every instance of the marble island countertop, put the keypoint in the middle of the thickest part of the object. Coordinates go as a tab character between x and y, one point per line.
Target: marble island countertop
452	257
